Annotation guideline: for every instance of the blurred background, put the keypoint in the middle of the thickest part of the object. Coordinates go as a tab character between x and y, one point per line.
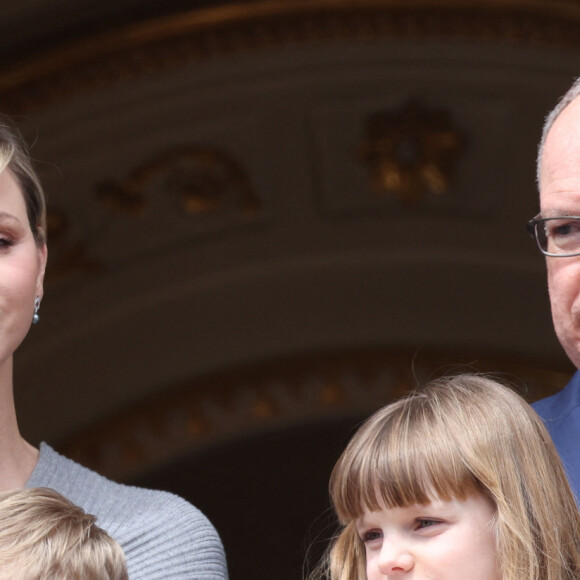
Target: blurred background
269	218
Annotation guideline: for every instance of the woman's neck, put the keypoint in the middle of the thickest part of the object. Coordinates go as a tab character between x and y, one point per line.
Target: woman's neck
17	457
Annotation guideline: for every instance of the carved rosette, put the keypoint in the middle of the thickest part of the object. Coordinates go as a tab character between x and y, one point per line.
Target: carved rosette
411	151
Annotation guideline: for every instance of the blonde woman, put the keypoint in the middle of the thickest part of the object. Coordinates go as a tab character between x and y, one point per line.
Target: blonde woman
163	536
458	481
43	536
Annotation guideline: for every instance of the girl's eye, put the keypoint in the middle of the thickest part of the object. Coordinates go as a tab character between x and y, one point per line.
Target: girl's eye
6	242
426	523
371	535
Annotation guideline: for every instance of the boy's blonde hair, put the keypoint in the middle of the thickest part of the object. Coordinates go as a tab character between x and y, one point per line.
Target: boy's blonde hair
455	438
43	536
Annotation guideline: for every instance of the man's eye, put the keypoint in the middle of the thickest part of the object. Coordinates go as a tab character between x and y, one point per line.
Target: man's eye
563	229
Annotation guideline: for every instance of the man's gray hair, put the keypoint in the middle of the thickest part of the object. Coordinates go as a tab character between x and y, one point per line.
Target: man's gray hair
570	95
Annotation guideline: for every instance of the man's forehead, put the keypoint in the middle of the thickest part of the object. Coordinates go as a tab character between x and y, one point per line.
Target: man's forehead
565	132
560	163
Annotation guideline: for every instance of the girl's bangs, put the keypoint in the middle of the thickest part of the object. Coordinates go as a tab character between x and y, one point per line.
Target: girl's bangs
400	460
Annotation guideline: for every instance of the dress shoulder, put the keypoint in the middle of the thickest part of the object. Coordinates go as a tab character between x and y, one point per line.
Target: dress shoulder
163	535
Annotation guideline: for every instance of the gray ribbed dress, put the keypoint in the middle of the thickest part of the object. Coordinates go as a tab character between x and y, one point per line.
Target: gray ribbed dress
163	536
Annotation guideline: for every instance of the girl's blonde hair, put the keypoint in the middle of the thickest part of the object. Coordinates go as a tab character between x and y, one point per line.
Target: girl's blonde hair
454	438
43	536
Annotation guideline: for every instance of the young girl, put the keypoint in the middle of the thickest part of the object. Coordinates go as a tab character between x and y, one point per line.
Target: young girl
458	481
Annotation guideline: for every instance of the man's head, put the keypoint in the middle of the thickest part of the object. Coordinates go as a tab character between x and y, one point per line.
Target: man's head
559	185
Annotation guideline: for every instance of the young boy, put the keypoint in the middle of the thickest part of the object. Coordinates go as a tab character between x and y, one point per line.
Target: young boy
43	536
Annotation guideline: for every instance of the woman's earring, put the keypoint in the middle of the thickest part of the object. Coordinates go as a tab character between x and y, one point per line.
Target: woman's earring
35	317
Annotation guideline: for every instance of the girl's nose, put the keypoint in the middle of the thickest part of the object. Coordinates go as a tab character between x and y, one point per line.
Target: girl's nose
395	560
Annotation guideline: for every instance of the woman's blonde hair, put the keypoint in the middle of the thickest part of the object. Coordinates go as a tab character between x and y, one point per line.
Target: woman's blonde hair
452	439
43	536
14	156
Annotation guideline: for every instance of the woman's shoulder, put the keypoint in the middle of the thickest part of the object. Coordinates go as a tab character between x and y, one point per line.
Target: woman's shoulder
75	481
147	523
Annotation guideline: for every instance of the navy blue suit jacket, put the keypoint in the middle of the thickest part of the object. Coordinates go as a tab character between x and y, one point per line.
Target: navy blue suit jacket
561	414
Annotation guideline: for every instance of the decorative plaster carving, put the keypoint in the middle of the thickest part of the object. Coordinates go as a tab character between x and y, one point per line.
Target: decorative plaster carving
66	256
204	180
195	416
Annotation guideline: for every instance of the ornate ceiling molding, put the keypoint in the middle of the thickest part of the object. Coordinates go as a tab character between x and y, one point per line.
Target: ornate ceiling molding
197	415
172	41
